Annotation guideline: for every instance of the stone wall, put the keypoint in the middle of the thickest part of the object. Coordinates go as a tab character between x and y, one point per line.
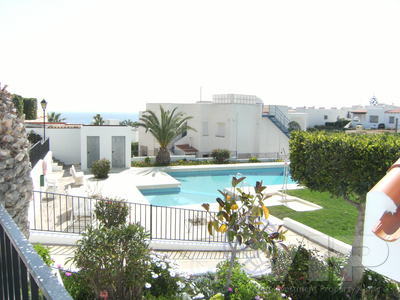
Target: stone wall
15	180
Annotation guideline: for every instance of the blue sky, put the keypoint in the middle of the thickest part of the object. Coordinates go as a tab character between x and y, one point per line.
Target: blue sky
87	55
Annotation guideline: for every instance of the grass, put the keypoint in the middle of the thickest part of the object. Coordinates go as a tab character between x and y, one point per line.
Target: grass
337	218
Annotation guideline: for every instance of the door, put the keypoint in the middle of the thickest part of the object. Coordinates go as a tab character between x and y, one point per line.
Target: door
93	150
118	152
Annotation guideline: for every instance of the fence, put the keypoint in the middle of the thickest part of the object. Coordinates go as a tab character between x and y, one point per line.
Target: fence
38	151
23	275
73	214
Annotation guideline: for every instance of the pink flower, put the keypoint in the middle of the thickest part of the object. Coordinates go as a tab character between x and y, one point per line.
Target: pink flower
58	266
68	274
230	290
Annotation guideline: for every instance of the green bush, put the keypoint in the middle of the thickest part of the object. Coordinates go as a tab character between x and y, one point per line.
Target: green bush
18	104
114	259
100	168
134	149
253	160
33	137
111	212
30	108
44	253
77	285
147	160
376	286
221	156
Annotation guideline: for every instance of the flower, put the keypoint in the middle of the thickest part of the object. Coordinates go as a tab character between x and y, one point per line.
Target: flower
180	284
172	273
230	290
147	285
154	275
68	274
199	296
258	298
58	266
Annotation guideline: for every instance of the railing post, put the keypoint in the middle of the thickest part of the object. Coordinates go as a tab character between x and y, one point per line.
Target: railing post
151	222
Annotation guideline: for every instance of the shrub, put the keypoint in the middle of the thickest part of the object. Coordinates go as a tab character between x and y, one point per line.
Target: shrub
111	212
18	104
100	168
114	259
134	149
147	160
33	137
77	285
163	278
253	160
376	286
220	155
30	108
44	253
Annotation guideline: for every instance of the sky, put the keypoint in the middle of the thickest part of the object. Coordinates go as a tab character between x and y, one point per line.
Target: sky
93	55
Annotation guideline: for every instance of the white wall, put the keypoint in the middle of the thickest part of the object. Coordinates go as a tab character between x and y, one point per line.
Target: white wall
244	129
37	170
105	133
65	143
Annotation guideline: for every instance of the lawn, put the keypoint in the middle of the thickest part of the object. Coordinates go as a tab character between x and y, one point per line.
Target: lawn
337	218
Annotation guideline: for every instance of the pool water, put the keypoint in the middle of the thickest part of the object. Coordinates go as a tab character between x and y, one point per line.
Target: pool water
202	186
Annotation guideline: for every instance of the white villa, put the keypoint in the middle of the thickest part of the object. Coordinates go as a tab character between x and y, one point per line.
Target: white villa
84	144
240	123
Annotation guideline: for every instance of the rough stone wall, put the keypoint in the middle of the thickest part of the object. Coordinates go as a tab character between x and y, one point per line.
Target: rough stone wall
15	181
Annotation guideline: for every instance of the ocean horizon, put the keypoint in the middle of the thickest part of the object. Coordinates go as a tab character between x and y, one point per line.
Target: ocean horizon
87	117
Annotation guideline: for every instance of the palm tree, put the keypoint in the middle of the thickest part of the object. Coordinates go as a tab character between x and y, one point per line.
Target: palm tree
164	129
98	120
54	118
128	122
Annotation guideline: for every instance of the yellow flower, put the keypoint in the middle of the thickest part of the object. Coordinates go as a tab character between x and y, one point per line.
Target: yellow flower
223	228
228	197
234	206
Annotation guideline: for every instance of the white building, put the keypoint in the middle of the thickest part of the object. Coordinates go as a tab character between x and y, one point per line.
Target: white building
83	144
308	117
374	116
239	123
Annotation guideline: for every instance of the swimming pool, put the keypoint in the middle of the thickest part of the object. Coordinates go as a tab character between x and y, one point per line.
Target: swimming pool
202	186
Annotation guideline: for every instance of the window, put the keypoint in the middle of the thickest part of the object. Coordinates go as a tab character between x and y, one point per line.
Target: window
220	130
325	117
373	119
205	128
391	120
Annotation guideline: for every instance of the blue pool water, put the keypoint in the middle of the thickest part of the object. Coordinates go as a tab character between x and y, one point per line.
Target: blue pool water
202	186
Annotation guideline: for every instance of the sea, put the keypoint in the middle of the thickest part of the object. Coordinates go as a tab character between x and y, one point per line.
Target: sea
87	117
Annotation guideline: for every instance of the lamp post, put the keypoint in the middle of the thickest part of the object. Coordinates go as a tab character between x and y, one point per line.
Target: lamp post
43	103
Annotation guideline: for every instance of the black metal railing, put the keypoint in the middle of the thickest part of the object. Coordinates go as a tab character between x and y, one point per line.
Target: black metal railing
38	151
73	214
23	274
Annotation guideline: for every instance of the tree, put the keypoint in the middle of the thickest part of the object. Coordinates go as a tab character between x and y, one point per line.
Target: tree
98	120
54	117
16	182
243	218
164	129
293	125
347	166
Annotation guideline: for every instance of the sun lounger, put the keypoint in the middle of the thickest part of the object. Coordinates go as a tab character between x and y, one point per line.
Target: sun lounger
79	177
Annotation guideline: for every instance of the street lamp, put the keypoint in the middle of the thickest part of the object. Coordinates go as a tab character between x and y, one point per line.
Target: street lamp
43	103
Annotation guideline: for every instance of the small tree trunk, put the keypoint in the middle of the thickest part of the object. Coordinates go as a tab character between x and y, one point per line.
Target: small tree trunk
354	270
231	265
163	157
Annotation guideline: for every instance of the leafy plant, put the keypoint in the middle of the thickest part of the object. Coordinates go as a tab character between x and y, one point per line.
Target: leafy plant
77	285
33	137
115	258
293	125
100	168
128	122
253	160
243	218
97	120
347	166
165	129
54	117
134	149
111	212
30	108
18	104
147	160
44	253
221	156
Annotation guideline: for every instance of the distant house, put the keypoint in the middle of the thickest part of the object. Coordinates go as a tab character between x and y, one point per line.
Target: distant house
375	116
84	144
240	123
